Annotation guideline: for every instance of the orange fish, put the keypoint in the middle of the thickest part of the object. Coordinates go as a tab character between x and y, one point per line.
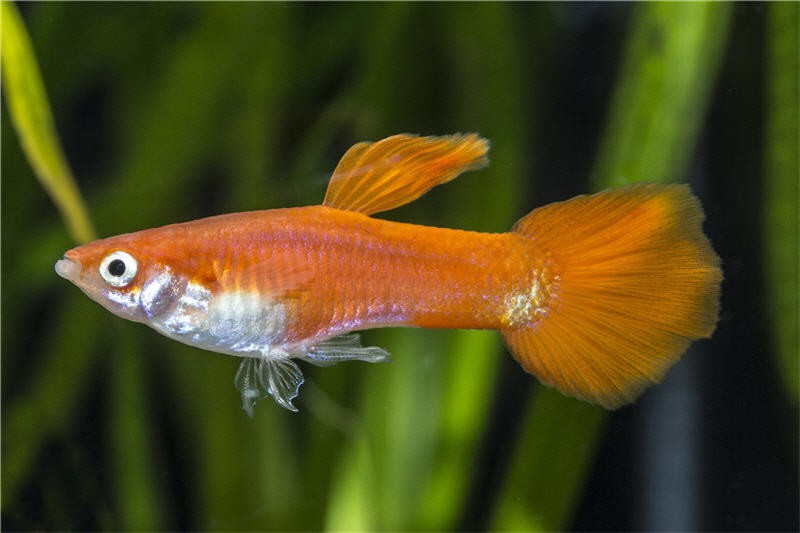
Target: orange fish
597	296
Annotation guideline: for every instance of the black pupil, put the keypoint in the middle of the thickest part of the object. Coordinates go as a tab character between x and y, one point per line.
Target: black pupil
116	267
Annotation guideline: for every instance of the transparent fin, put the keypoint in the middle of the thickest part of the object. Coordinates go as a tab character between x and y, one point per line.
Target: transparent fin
257	377
344	348
282	379
247	383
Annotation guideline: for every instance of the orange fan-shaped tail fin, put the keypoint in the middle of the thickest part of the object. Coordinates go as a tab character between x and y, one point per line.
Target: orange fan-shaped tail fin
636	281
374	177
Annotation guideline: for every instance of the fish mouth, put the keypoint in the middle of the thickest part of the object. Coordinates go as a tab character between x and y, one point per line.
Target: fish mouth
68	268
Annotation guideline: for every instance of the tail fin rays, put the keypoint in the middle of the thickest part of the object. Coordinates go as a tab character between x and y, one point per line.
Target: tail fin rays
637	283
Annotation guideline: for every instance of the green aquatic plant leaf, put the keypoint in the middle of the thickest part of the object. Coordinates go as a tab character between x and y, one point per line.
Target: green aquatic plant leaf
51	400
659	102
30	113
781	187
168	143
422	417
670	62
554	454
32	418
141	501
209	108
381	452
486	60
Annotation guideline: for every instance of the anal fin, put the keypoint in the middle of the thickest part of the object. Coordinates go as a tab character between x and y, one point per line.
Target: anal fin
344	348
281	378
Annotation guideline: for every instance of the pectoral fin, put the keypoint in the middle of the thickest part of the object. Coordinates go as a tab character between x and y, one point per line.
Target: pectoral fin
374	177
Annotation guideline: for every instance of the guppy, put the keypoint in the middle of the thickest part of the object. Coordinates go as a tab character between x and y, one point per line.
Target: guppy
597	296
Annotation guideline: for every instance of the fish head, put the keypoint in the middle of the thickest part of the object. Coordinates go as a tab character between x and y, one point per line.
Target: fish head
124	275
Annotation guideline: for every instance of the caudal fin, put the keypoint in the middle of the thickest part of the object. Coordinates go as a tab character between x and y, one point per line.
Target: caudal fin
635	281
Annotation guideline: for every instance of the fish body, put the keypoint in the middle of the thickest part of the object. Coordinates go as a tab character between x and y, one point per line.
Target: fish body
574	287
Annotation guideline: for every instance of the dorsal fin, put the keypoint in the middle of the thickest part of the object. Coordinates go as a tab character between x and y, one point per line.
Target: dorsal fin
374	177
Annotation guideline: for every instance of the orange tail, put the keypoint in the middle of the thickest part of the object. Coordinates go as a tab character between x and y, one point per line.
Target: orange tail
636	282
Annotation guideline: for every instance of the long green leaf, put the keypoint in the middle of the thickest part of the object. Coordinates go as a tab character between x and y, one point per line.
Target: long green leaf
53	397
141	502
178	127
30	113
377	440
659	102
30	422
554	453
670	61
484	52
781	187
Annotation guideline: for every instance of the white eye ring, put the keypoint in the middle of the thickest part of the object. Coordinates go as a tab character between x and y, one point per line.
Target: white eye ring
118	268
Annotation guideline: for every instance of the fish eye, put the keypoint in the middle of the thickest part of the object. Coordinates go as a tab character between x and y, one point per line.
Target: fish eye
118	268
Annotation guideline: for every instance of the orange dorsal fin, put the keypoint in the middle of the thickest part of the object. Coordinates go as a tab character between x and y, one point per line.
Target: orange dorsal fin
374	177
634	282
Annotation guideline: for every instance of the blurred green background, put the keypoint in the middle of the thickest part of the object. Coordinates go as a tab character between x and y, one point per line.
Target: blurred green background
173	111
